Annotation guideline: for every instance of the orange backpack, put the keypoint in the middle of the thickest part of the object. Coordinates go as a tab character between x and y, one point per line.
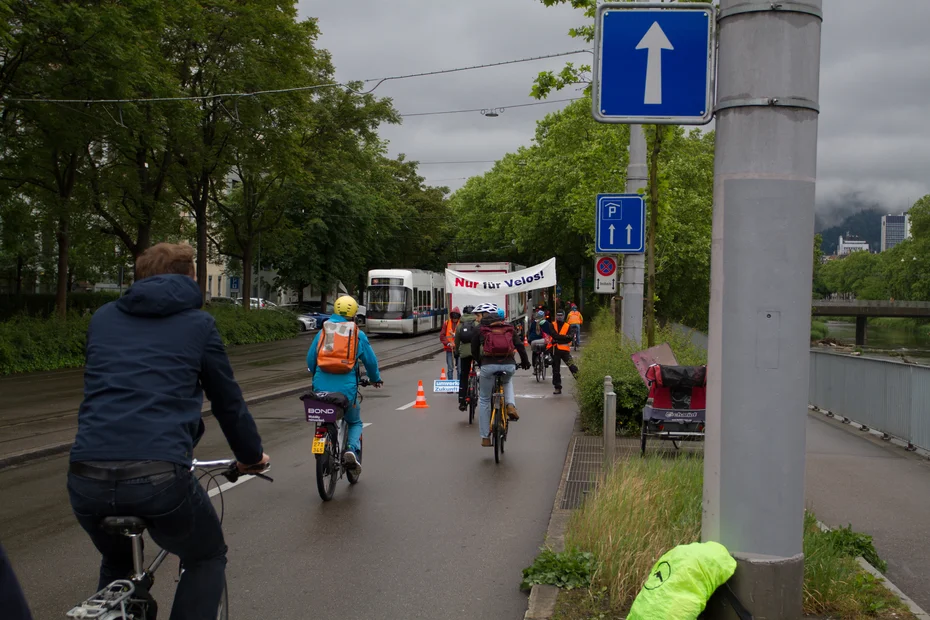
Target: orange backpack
338	349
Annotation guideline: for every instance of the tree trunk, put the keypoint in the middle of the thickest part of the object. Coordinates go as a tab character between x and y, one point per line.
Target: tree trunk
247	278
61	293
300	293
651	243
19	274
200	215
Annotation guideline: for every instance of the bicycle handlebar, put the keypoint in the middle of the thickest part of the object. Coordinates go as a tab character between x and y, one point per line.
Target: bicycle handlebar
230	469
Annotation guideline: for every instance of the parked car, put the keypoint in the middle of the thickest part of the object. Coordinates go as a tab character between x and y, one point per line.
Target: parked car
306	323
262	303
223	301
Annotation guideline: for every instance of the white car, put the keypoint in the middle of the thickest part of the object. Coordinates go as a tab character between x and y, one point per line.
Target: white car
307	323
261	303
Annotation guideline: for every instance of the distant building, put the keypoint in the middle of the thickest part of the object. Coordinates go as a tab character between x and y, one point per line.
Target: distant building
895	229
850	244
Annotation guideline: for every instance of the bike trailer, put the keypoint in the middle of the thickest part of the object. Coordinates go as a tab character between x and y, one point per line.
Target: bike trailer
676	407
325	407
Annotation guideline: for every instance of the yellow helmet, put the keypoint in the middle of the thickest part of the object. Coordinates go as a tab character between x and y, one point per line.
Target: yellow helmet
346	306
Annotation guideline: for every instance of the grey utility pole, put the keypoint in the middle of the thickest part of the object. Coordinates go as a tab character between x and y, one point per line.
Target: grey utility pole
634	265
760	304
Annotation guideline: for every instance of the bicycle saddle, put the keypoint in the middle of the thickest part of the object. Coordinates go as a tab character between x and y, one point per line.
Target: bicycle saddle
124	525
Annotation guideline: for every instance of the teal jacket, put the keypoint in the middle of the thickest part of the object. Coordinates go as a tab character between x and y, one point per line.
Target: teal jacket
347	383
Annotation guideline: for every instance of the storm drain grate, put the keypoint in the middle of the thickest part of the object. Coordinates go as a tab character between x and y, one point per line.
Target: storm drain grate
587	454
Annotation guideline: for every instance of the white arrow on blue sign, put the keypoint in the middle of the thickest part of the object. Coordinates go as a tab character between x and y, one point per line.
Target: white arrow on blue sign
654	64
621	224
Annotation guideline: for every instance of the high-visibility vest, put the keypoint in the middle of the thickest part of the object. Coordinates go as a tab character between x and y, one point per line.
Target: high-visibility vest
562	331
450	332
574	318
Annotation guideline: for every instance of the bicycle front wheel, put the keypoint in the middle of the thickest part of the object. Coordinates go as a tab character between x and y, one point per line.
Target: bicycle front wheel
223	612
496	436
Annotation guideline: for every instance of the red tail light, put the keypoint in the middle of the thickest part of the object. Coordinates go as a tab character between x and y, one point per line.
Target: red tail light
320	432
661	427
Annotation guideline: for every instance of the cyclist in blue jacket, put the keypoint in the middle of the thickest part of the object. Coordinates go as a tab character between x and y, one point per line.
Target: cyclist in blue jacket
344	310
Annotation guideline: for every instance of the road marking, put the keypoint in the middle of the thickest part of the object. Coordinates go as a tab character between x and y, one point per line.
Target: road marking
407	406
366	424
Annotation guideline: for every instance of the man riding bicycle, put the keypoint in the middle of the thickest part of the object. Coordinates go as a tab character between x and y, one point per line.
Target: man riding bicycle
574	325
333	359
493	346
536	337
151	357
466	330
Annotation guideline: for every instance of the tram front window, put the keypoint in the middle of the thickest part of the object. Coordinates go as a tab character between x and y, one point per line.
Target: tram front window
389	302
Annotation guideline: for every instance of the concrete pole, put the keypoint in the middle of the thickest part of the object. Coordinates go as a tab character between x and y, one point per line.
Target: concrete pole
634	265
610	423
760	305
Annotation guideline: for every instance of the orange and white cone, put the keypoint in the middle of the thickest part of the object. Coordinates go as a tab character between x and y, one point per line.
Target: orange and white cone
442	375
421	397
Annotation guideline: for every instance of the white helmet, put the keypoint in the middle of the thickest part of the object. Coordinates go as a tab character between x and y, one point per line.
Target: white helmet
486	309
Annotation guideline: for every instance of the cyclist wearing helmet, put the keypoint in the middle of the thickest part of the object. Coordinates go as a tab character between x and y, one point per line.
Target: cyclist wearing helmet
463	335
341	337
493	345
574	321
536	337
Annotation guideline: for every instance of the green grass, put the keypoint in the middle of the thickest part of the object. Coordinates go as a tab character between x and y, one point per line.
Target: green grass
644	507
819	330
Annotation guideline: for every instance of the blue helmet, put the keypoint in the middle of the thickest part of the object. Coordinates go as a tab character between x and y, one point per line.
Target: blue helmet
500	313
540	315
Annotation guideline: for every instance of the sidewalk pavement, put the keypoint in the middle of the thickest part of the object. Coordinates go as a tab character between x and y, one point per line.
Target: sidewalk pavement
38	411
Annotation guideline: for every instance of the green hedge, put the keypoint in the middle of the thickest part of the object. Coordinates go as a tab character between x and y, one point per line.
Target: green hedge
43	305
605	353
30	344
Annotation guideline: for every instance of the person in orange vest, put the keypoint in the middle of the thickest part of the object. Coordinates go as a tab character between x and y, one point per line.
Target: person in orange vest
560	347
447	338
575	320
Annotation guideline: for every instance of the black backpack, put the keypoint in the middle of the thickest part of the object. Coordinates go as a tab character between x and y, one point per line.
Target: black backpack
466	334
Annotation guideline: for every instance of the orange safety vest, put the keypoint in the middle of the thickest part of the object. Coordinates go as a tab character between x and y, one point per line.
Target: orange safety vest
563	331
574	318
450	332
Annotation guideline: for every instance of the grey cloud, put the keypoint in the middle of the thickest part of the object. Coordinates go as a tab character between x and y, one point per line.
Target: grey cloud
875	84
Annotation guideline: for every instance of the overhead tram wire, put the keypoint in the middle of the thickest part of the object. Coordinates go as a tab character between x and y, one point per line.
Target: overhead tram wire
505	107
236	95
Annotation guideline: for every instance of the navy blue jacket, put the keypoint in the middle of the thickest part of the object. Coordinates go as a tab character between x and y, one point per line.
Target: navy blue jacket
151	356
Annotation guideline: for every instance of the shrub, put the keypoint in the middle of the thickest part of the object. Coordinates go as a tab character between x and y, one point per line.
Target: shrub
43	305
30	344
819	330
607	354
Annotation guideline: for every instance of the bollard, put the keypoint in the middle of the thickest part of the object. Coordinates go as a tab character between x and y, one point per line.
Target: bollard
610	423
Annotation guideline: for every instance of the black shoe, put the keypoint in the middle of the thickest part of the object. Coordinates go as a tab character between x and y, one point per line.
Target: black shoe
557	391
462	405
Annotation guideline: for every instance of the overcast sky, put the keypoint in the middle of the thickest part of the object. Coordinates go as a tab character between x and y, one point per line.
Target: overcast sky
875	84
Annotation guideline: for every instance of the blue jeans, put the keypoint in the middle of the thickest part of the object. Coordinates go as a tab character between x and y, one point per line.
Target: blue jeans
486	386
353	418
452	362
181	520
12	601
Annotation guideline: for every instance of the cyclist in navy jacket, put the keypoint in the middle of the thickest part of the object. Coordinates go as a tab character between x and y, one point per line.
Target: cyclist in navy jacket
151	357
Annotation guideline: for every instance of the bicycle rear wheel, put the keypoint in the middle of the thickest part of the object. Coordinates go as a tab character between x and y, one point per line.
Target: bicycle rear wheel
327	470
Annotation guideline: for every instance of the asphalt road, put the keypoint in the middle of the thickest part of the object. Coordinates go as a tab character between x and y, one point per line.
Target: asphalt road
880	489
435	529
40	409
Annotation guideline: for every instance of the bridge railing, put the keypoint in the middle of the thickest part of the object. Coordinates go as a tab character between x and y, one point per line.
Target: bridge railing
887	396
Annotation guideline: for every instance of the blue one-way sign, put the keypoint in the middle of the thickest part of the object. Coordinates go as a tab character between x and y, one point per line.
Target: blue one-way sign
654	64
621	224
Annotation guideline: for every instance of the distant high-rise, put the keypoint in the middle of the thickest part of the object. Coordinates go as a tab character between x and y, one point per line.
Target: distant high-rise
895	229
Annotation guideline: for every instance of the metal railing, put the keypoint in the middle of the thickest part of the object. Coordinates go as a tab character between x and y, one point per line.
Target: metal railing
887	396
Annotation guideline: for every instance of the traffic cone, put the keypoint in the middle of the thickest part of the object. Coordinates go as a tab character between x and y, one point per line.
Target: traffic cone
442	375
421	397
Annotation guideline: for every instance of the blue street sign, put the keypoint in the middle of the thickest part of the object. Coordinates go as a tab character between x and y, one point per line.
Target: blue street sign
558	289
621	224
653	64
234	284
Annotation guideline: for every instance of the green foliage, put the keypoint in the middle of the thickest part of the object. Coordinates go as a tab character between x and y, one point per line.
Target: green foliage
819	330
607	353
44	305
29	344
238	326
566	570
855	544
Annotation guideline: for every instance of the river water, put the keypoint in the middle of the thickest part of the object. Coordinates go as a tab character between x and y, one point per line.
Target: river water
885	340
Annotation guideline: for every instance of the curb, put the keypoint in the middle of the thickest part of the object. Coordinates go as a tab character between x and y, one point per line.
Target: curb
542	600
18	458
913	607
